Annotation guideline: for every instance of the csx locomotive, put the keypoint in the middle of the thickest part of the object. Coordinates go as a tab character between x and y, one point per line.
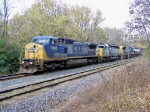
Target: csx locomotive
48	52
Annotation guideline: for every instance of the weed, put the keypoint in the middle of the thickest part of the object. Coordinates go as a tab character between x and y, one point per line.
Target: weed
125	90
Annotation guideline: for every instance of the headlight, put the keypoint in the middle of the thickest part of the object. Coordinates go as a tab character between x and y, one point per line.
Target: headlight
31	62
31	45
22	61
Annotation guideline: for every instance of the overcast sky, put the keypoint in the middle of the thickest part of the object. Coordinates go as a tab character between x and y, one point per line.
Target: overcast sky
115	12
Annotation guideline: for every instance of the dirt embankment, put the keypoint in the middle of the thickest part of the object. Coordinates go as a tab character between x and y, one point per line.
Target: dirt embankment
127	90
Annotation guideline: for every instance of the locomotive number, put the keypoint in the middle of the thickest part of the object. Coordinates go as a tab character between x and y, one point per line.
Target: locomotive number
53	48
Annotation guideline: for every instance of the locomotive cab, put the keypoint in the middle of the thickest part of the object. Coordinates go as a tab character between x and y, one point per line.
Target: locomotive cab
102	52
33	55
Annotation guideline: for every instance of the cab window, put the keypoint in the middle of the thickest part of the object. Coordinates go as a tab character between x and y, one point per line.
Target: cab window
100	46
41	41
53	42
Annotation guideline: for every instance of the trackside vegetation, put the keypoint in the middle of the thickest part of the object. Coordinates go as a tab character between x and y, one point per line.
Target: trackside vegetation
127	90
147	53
9	54
55	18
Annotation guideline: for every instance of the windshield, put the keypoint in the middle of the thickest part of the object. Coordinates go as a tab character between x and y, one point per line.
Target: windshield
100	46
41	41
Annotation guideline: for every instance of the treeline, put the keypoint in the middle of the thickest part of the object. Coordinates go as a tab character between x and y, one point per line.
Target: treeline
49	17
52	17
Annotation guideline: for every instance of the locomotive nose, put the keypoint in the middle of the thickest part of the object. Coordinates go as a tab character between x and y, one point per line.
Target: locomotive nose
31	60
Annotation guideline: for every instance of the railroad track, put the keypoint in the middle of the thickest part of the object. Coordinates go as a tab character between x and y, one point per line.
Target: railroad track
10	92
13	76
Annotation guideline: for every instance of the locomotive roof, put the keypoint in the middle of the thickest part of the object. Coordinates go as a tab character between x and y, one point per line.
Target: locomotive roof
52	37
48	37
91	44
109	45
67	39
113	45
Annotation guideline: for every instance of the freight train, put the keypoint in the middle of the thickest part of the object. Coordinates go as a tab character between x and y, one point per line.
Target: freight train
48	52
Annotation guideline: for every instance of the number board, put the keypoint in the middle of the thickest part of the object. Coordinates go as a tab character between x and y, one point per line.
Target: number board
54	48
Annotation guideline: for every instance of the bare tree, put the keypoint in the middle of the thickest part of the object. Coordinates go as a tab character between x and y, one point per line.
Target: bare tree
114	36
6	7
140	22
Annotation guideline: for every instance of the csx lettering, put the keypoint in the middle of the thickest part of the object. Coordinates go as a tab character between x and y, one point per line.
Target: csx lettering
77	49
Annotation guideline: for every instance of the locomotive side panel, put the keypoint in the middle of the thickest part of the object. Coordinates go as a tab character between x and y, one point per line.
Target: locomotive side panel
114	52
78	49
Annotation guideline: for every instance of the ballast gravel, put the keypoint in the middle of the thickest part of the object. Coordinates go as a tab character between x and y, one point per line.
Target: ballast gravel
48	100
51	75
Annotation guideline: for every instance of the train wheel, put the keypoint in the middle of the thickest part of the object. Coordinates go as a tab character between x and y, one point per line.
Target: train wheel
52	66
62	65
96	60
44	68
88	61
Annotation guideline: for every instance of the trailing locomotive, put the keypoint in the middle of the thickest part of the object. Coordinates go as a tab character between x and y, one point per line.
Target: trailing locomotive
48	52
106	52
128	52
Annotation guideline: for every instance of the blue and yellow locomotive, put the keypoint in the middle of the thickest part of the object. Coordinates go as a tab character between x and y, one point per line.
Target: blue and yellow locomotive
106	52
48	52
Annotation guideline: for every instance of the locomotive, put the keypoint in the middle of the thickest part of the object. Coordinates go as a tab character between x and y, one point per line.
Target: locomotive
48	52
106	52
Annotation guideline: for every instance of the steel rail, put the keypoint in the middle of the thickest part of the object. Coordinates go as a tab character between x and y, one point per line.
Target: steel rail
30	87
13	76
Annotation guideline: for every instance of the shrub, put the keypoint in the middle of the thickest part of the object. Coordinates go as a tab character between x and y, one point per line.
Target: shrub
9	55
147	52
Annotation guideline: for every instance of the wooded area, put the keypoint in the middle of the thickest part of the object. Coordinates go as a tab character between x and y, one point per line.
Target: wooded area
55	18
50	17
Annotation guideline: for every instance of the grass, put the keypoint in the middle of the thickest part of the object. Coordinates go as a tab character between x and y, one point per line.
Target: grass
128	90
